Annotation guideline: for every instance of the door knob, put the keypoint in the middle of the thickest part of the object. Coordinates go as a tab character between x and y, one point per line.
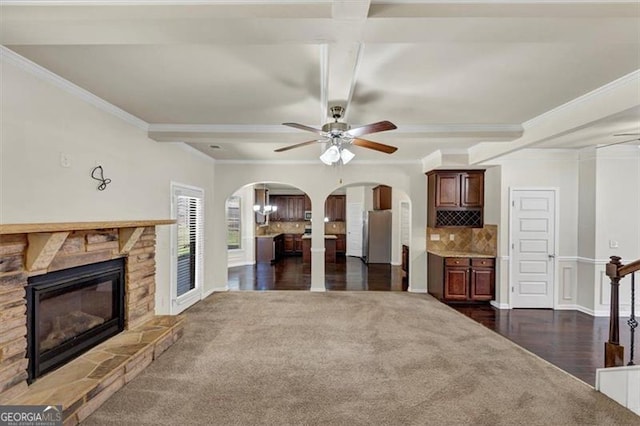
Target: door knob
552	256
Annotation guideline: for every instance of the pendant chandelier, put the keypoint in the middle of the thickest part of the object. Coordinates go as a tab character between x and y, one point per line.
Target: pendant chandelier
265	209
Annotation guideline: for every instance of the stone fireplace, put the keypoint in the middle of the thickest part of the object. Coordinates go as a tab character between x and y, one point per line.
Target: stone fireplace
65	287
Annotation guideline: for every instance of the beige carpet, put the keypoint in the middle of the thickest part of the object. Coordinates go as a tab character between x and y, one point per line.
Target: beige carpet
340	358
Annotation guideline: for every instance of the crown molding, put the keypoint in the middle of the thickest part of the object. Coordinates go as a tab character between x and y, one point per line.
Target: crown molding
42	73
626	79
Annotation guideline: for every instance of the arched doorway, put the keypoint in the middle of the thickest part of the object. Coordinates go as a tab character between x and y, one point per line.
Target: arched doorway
266	227
367	238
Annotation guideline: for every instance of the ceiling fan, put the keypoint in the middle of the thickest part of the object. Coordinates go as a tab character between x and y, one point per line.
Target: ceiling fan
340	134
634	137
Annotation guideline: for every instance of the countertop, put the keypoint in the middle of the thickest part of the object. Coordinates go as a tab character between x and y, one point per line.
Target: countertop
326	237
447	253
269	235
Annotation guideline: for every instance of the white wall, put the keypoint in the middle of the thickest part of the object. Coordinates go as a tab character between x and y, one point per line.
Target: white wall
40	121
540	169
318	181
617	219
599	201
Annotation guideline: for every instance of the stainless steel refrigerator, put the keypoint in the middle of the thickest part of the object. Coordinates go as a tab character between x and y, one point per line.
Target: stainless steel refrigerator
377	236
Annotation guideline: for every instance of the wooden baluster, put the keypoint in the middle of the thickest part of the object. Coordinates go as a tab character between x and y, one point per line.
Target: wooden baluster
633	323
613	351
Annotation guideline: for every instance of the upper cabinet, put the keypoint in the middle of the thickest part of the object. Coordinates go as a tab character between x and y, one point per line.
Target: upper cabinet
455	198
382	197
261	197
335	208
290	208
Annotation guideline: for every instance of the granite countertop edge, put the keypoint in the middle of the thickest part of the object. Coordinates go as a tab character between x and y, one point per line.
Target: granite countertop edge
452	253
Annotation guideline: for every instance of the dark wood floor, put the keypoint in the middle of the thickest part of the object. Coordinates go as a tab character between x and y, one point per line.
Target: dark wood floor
348	273
571	340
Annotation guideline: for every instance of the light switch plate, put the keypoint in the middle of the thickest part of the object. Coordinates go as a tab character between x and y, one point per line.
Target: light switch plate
435	237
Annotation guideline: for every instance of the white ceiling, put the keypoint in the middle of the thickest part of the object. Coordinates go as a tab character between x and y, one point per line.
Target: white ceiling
449	74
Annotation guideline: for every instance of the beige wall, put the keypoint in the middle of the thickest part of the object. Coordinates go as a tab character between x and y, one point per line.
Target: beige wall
40	121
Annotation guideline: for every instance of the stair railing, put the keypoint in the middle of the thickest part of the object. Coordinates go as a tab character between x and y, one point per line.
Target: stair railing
613	351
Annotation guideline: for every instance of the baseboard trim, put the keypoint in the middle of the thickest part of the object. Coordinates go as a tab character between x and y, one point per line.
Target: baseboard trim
500	305
416	290
318	289
214	290
245	263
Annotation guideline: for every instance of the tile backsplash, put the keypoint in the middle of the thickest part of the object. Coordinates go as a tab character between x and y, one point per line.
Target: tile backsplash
478	240
298	228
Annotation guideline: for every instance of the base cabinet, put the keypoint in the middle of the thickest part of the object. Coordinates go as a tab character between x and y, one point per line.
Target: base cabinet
341	244
269	249
459	279
456	283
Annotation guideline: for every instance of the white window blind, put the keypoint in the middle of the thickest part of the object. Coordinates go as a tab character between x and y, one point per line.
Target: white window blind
188	243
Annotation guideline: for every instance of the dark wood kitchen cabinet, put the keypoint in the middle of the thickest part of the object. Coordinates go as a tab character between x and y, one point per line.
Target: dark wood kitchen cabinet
335	208
290	208
261	197
292	244
455	198
341	244
382	197
461	279
289	247
297	243
482	280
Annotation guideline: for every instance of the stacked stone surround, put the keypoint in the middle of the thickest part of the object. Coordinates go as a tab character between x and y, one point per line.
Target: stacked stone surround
79	247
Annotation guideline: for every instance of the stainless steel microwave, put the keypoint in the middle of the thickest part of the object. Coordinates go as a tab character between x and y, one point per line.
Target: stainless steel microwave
307	215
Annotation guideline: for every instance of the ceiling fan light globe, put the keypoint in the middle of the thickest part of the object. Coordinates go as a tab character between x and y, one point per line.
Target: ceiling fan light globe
331	155
346	155
256	207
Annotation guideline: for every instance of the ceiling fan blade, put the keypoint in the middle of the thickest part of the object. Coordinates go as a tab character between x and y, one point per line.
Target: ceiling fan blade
380	126
387	149
303	127
298	145
617	143
627	134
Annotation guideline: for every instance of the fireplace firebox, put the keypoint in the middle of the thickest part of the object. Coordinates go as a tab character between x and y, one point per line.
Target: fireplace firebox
72	310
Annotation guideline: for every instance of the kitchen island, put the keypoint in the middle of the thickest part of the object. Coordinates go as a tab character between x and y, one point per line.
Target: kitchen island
329	246
269	248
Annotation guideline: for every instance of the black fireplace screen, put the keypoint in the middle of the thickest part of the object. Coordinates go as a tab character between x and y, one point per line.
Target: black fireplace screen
72	310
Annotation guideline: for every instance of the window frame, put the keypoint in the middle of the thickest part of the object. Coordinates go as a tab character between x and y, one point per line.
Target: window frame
240	245
182	302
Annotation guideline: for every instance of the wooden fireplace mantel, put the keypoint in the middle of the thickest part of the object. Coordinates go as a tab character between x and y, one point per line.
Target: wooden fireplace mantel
27	228
46	239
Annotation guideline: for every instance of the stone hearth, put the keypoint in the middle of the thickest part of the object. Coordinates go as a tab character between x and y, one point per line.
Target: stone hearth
33	249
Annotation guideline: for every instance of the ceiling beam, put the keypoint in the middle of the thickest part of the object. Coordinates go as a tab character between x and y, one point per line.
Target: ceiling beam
612	98
345	53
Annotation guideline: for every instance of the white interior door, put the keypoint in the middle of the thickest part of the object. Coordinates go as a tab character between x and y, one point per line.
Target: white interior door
533	218
354	229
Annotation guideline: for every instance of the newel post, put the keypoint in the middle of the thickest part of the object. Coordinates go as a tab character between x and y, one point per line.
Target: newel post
613	352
